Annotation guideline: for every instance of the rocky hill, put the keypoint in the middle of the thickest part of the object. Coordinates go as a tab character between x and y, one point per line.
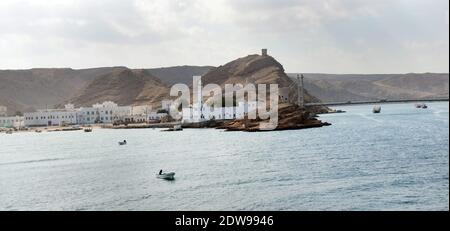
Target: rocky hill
256	69
27	90
179	74
123	86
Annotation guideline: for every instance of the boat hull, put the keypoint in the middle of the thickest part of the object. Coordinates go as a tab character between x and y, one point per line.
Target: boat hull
166	176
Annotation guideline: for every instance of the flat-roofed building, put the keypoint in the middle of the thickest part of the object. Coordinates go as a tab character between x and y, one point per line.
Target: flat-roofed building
12	122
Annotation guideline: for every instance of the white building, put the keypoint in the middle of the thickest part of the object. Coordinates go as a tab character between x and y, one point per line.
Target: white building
154	116
200	111
3	111
51	117
106	112
12	122
192	115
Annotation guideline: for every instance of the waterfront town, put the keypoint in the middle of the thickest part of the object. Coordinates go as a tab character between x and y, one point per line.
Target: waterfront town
112	114
102	113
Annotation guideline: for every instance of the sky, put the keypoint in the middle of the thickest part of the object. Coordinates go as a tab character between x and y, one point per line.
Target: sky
322	36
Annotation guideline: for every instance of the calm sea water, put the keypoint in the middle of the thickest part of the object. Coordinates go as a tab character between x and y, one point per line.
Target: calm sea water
396	160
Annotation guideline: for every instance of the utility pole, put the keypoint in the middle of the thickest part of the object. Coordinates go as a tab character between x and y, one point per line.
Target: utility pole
300	92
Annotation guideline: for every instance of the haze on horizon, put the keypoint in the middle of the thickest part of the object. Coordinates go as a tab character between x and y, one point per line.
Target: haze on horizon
326	36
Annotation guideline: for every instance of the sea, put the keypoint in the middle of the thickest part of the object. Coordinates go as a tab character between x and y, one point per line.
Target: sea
395	160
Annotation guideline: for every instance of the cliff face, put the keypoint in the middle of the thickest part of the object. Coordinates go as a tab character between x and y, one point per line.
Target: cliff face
125	87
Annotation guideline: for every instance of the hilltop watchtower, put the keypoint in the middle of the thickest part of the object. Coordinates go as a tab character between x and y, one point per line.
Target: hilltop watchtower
264	52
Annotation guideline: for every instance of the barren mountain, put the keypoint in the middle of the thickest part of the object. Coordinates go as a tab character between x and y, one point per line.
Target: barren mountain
125	87
341	88
27	90
179	74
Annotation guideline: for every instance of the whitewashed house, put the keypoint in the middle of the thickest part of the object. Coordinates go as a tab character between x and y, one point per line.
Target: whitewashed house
200	111
52	117
106	112
12	122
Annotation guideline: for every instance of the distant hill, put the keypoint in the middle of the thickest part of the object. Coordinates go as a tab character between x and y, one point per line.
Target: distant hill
353	87
31	89
123	86
179	74
27	90
133	87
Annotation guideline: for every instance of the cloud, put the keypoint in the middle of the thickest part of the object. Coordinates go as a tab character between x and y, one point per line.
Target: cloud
305	35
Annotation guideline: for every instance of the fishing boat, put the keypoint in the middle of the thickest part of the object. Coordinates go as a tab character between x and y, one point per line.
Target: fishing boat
421	105
376	109
166	176
88	130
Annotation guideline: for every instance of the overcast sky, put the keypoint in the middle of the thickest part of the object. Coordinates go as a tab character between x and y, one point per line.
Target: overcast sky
327	36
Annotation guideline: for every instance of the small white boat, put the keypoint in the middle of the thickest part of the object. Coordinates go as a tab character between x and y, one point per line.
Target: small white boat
166	176
376	109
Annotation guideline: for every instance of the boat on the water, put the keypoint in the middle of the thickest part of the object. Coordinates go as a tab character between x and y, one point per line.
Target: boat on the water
122	142
166	176
88	130
421	105
376	109
175	128
38	131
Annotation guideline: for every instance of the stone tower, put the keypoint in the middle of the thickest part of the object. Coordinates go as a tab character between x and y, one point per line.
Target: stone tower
264	52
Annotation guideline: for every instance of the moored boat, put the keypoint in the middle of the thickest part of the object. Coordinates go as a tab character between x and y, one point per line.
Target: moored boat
175	128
